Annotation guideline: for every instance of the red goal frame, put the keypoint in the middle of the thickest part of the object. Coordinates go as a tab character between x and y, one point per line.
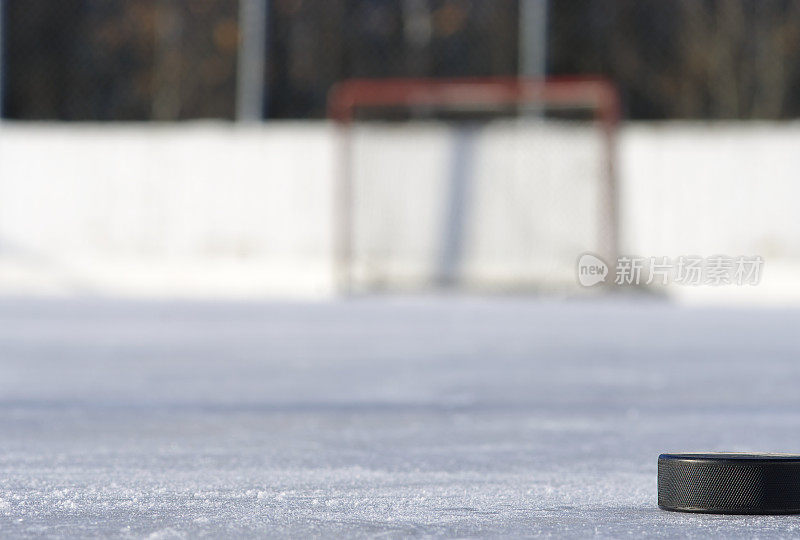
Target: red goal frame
347	97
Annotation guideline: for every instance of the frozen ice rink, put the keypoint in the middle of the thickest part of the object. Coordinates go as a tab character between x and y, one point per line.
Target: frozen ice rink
380	417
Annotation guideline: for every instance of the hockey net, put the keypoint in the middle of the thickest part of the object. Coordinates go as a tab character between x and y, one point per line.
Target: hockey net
488	185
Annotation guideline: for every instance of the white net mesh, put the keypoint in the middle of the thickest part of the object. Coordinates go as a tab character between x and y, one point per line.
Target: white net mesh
504	204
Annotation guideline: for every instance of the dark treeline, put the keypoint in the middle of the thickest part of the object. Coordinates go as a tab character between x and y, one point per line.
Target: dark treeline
176	59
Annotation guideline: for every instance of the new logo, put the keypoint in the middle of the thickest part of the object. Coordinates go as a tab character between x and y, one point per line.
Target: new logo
591	270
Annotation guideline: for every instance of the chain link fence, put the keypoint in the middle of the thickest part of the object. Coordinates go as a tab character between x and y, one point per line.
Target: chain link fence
119	60
175	59
689	59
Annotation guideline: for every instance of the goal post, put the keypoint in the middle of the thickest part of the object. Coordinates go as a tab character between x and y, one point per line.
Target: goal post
492	184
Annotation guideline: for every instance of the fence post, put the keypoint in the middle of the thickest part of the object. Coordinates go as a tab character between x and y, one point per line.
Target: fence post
251	92
532	38
2	60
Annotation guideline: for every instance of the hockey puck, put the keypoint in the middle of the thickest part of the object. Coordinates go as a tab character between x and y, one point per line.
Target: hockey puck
729	483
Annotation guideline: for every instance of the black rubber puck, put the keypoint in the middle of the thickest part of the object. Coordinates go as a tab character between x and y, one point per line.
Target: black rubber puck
729	483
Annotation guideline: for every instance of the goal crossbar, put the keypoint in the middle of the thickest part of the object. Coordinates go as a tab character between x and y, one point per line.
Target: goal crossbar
595	93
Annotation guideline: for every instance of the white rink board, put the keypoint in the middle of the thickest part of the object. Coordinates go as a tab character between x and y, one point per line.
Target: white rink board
214	210
181	210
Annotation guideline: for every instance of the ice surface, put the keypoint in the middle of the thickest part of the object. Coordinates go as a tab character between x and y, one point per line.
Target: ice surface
380	417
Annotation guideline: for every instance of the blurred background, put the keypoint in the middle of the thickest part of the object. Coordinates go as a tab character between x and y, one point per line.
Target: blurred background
165	60
167	148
